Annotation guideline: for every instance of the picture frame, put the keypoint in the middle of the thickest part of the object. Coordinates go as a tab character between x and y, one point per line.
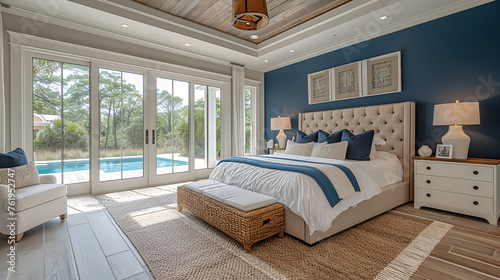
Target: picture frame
347	81
383	74
444	151
319	87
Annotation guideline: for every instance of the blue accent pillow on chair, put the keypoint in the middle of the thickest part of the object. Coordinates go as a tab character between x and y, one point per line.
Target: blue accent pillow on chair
330	138
359	146
306	138
13	159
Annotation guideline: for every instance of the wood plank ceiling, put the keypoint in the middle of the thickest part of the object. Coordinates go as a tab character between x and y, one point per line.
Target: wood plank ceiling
217	14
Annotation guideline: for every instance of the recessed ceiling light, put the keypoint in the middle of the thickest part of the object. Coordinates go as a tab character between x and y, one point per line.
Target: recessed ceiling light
124	25
292	50
384	17
254	37
267	60
188	44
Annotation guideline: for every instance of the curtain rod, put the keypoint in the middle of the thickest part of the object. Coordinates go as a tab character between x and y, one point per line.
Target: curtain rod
234	63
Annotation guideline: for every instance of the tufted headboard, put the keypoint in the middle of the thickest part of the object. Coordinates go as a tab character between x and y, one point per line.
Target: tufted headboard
395	123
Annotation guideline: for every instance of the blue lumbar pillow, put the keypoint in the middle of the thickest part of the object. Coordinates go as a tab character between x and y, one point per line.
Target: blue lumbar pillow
306	138
330	138
359	146
13	159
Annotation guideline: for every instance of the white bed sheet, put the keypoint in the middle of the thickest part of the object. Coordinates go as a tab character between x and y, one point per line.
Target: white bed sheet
302	195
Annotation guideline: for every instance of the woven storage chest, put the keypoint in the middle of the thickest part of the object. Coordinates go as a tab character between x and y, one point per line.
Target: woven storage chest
245	227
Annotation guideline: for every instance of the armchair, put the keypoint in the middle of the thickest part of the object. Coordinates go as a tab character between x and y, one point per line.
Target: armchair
34	205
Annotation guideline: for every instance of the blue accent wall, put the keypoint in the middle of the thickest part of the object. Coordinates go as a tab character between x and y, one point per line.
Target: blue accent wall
454	57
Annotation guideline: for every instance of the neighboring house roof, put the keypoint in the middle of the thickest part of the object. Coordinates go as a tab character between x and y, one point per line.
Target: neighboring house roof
41	121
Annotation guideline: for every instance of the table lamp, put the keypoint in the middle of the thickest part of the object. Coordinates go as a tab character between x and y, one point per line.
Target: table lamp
455	115
280	123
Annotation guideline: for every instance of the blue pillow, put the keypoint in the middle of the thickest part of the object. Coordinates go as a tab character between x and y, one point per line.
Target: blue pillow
359	146
306	138
329	138
13	159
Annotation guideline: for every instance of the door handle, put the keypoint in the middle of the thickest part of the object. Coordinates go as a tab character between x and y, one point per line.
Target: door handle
147	136
154	137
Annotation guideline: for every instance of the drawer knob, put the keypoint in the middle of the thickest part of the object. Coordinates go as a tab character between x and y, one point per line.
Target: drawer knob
475	202
428	181
475	172
428	168
428	195
476	188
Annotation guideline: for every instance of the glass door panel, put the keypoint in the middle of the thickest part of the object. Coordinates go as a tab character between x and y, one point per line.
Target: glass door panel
61	112
200	122
121	148
172	126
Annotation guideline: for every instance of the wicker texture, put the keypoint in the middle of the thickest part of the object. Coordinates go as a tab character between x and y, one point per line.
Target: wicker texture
245	227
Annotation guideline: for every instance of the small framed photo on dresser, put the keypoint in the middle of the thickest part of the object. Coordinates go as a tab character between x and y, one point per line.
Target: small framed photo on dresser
444	151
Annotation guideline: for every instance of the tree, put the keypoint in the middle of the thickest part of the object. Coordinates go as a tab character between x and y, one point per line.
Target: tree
74	137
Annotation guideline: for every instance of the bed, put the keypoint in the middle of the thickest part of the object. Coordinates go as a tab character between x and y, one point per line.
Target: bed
394	123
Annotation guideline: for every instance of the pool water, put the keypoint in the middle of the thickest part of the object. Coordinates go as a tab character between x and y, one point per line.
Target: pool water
106	165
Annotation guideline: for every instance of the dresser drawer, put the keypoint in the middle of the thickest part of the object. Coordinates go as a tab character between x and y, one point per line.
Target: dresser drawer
472	187
455	170
461	203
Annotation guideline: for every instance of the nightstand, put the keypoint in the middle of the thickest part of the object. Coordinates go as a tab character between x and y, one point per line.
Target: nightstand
276	151
466	186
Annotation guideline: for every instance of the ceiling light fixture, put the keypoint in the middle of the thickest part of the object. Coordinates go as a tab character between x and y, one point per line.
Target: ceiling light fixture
292	50
250	14
254	37
188	44
384	17
266	60
124	25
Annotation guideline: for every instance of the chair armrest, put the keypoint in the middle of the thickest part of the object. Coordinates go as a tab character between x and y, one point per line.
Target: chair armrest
48	179
4	194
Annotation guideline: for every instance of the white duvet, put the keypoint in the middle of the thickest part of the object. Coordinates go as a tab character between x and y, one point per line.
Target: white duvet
302	195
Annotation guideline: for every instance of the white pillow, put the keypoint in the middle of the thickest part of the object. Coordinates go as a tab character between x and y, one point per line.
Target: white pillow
24	176
377	141
333	151
298	149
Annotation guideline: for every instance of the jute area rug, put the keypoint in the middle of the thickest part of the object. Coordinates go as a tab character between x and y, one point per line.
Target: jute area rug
178	245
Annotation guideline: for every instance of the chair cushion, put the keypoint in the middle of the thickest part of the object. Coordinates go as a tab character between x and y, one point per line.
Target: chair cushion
32	196
201	186
239	198
13	159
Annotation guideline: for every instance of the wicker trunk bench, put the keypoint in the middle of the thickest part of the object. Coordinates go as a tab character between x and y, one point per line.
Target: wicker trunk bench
209	200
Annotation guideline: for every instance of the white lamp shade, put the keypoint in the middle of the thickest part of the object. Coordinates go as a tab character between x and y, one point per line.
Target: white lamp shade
281	123
464	113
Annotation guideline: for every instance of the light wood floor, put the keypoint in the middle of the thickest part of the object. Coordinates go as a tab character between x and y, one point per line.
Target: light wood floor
89	245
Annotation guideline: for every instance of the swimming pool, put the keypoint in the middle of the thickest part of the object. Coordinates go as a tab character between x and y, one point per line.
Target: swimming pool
106	165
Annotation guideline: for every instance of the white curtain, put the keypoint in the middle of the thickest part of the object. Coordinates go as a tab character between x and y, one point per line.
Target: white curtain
238	112
2	92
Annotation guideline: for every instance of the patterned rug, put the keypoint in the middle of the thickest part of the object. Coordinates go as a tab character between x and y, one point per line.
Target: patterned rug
178	245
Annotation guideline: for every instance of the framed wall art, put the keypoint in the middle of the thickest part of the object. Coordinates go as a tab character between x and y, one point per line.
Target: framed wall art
319	87
346	81
383	74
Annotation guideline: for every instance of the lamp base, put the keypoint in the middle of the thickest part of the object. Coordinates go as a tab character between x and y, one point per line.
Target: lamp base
281	137
460	141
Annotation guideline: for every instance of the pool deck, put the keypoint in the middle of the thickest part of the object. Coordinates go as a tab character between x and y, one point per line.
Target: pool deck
83	176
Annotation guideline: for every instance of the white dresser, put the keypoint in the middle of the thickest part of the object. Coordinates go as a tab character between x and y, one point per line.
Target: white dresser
463	186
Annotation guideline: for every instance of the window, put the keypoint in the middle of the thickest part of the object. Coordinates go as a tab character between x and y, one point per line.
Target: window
207	126
250	94
61	111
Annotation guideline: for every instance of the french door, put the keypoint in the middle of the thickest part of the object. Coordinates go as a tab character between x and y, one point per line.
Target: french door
102	127
119	128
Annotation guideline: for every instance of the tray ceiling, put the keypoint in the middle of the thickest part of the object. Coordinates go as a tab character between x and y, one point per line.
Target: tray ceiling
217	14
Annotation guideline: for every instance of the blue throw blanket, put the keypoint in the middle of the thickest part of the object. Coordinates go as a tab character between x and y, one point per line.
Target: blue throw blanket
321	179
